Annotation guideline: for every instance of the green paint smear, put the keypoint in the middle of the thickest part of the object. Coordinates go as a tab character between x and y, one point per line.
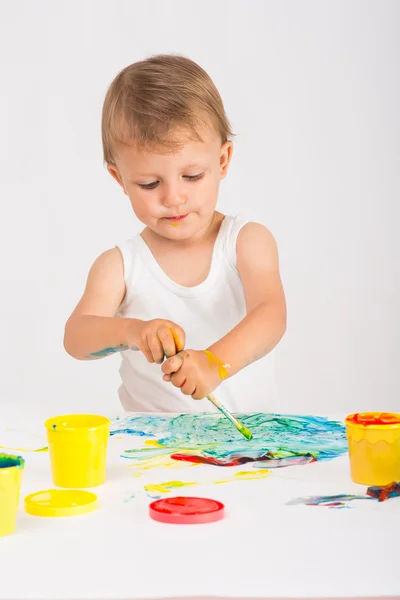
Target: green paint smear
213	435
7	461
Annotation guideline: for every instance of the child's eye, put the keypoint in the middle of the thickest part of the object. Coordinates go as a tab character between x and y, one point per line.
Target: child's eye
148	186
193	177
154	184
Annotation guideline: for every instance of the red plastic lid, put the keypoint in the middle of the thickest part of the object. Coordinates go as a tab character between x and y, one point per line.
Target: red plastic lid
186	509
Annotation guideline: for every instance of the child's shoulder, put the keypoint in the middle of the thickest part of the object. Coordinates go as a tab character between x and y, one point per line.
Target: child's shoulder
254	243
249	232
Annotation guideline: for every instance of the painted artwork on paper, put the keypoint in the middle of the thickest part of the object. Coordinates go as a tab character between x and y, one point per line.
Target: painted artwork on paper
209	439
278	440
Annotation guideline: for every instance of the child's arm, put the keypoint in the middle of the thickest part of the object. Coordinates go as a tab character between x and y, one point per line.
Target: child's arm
265	322
93	331
252	338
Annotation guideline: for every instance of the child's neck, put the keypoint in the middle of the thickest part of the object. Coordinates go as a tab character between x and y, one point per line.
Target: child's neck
208	233
191	266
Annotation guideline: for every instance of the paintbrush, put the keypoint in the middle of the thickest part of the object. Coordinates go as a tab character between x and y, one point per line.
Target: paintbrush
239	426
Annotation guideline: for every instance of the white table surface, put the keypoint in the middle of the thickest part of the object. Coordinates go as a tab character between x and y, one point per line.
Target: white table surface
264	548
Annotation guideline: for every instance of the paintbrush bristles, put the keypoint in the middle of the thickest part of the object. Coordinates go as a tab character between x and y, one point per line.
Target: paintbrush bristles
239	426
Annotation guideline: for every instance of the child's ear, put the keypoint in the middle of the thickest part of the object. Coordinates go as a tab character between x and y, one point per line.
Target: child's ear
225	158
112	169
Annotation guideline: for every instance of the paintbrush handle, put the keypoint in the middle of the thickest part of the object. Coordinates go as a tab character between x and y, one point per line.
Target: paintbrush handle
222	408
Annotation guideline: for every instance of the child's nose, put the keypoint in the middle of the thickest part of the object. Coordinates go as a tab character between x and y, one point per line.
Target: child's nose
173	197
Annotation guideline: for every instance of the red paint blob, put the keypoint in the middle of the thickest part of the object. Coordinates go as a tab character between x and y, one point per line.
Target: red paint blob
209	460
235	460
186	510
375	419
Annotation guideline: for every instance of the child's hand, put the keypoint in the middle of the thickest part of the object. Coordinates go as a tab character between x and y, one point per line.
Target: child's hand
158	338
191	371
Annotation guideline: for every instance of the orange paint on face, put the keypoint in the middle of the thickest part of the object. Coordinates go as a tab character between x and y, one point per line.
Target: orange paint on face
213	362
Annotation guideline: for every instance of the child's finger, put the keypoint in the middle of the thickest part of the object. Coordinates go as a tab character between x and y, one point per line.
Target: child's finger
147	352
156	349
172	365
166	377
186	387
166	337
179	338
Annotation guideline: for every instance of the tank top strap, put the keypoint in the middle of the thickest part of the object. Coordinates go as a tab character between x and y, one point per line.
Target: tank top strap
229	238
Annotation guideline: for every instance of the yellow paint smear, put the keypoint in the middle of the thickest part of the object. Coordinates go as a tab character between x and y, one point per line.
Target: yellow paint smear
153	443
45	449
247	476
213	361
259	474
177	339
158	462
167	486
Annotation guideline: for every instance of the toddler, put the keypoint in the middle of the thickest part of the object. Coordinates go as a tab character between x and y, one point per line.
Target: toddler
195	301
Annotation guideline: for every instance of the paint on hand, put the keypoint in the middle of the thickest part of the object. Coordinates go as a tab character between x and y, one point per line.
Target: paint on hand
108	351
214	362
177	339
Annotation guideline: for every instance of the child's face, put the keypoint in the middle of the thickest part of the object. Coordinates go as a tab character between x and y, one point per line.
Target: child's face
174	194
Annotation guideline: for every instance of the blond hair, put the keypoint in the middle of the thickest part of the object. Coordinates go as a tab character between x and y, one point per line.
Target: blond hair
149	99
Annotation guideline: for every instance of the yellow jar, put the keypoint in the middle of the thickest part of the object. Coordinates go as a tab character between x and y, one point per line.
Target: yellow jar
11	471
374	447
78	449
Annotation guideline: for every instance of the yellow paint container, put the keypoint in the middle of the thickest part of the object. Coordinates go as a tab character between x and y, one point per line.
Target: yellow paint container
11	471
374	447
78	449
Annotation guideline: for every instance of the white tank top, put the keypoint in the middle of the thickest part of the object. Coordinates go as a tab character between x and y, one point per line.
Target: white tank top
206	312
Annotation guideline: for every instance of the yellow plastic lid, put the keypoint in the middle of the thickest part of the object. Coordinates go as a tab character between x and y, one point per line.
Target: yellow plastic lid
60	503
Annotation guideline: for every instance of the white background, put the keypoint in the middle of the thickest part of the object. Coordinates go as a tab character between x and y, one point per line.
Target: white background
312	89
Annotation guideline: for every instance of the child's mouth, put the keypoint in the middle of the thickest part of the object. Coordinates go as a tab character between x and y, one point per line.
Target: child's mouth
179	218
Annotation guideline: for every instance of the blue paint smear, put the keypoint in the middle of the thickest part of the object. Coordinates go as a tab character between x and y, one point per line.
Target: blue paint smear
336	501
283	436
107	351
380	493
130	431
